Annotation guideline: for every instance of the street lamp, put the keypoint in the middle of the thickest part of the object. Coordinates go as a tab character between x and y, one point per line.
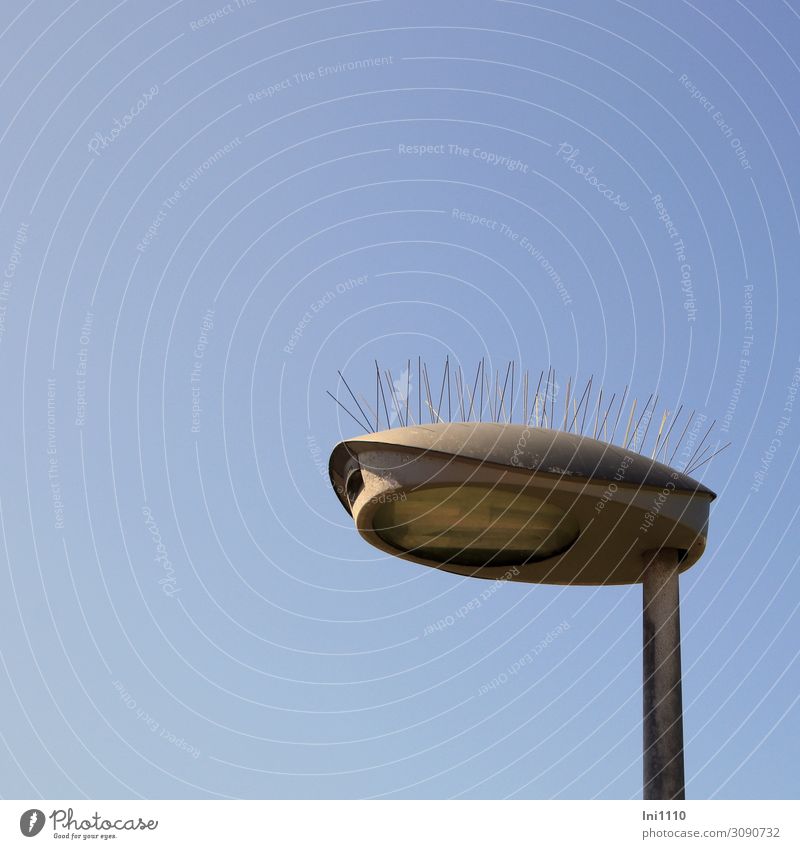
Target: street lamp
538	504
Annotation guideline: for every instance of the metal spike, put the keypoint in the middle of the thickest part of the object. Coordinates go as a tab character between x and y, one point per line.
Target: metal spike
545	395
383	395
586	408
680	438
408	388
644	437
687	469
619	412
639	420
378	399
669	431
511	406
474	390
365	429
603	426
395	402
460	391
367	404
433	414
705	436
369	429
597	414
419	388
449	404
566	403
428	390
580	404
719	451
501	405
658	435
481	410
525	398
627	429
535	409
441	395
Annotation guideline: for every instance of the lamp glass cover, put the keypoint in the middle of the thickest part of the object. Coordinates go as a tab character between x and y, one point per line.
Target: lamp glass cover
474	525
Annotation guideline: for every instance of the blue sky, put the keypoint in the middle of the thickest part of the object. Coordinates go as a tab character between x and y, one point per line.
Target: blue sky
209	209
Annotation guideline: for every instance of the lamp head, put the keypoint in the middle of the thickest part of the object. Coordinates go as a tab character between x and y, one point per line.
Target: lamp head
495	500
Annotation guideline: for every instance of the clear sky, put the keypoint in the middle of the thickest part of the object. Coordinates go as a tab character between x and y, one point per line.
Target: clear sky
208	209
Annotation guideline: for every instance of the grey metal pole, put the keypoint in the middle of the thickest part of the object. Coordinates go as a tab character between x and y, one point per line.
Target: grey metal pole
663	708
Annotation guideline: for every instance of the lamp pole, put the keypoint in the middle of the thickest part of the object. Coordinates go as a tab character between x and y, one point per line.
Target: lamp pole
662	702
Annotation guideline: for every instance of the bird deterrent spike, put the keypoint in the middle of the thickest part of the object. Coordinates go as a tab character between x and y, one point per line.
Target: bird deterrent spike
355	399
367	404
511	407
575	416
525	398
697	450
597	414
649	421
474	390
383	395
419	388
696	466
586	407
619	412
428	390
608	410
680	438
658	435
639	420
700	456
480	411
669	431
408	389
535	409
503	393
392	399
459	393
378	400
603	427
478	393
365	429
429	401
628	426
547	392
392	392
500	398
441	394
447	372
700	444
